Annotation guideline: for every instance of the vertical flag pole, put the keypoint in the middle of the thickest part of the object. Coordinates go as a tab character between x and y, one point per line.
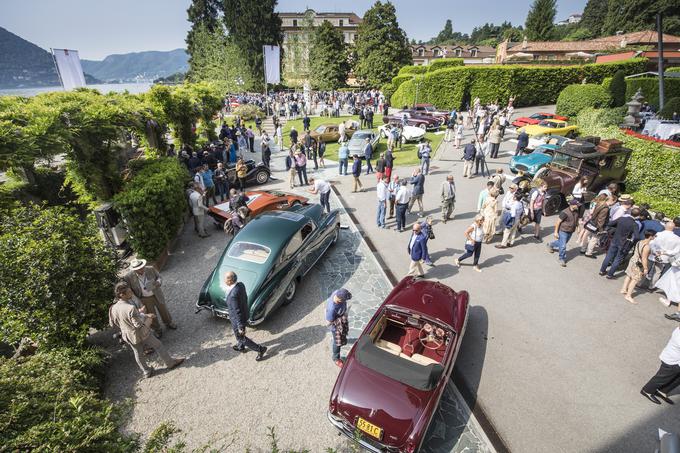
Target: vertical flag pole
264	66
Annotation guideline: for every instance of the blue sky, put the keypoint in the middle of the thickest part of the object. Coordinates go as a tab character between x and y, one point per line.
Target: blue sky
98	27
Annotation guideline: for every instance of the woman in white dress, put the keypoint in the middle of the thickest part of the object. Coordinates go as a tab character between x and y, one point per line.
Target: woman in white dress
474	235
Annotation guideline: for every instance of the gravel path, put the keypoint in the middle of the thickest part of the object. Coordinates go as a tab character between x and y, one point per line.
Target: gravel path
225	398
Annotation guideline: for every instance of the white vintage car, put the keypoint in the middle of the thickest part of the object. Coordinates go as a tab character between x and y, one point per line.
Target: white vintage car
408	134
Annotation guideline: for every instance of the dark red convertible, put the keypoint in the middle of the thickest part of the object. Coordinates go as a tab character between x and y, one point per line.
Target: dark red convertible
390	385
413	119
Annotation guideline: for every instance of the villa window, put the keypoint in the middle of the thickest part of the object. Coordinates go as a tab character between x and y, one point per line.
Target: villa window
458	52
435	52
341	22
420	52
294	22
473	52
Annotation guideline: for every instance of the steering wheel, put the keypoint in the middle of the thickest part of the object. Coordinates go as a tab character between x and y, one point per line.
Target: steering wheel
431	337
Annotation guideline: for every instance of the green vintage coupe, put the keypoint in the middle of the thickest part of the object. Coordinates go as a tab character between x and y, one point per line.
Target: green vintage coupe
270	255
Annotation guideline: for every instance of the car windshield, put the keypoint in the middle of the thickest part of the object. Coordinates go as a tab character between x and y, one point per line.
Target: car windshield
537	116
360	137
428	108
320	129
546	124
566	161
247	251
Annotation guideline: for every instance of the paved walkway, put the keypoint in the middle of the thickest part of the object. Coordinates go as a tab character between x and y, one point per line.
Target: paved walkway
226	398
554	357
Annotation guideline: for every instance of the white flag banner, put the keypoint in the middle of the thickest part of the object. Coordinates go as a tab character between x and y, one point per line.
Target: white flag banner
272	64
70	70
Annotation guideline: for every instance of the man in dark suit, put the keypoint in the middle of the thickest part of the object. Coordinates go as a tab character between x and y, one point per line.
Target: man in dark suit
416	250
237	306
368	154
522	143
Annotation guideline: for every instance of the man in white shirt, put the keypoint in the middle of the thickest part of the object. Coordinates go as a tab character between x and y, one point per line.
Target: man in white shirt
668	376
381	191
663	248
323	188
402	200
515	213
198	209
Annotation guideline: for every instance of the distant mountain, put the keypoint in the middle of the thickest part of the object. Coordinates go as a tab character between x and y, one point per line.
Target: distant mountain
138	66
25	65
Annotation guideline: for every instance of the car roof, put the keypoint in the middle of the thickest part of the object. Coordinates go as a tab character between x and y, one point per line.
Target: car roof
273	228
429	298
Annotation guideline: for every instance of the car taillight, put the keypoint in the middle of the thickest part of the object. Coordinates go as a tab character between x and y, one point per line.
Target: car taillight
332	407
410	446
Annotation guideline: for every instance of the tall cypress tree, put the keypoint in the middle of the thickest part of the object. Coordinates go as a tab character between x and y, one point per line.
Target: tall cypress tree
381	46
252	24
202	14
445	35
328	58
539	24
593	16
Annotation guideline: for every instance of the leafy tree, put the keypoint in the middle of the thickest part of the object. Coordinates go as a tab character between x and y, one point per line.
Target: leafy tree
203	15
539	23
251	25
183	106
594	16
635	15
328	58
617	89
218	60
56	276
51	402
498	33
381	46
446	34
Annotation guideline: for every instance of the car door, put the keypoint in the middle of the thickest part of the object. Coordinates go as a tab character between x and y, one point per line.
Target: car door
332	134
285	270
312	245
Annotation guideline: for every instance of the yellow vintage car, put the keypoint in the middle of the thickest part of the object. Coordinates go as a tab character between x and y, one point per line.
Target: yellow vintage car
550	127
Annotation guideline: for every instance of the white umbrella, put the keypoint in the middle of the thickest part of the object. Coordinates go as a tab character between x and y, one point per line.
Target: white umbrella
521	55
579	54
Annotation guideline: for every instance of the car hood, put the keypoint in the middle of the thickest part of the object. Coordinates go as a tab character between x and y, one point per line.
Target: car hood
532	159
535	129
391	405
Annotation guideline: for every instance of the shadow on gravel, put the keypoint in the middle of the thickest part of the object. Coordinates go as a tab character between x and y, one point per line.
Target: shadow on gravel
448	427
295	342
464	215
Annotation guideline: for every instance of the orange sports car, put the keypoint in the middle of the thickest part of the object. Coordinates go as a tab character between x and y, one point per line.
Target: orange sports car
258	201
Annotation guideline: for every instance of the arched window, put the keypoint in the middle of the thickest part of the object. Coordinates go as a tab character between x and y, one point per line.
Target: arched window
421	52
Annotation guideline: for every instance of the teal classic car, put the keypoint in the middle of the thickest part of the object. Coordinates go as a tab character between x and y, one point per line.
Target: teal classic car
530	164
270	255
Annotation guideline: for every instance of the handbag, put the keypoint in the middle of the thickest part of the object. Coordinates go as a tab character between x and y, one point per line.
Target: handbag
469	247
430	233
590	226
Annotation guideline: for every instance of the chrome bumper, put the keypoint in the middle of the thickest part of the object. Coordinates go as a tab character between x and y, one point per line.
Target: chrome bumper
222	313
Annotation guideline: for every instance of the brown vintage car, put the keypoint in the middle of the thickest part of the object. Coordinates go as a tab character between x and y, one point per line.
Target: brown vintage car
601	164
331	133
258	201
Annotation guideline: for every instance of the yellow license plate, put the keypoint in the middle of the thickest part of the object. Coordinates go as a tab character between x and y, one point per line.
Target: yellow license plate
369	428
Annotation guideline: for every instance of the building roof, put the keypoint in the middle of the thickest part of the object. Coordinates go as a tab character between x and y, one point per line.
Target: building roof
353	17
592	45
640	37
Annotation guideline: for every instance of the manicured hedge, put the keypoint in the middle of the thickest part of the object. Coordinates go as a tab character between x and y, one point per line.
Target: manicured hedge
413	70
650	88
652	169
445	63
388	90
398	80
672	105
672	69
531	85
577	97
152	204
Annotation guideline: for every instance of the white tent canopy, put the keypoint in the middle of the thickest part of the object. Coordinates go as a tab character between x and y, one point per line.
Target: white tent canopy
521	55
580	54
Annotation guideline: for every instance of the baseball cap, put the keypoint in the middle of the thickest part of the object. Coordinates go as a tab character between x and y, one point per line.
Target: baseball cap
343	294
574	202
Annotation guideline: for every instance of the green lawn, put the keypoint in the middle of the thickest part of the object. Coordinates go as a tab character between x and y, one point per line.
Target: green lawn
403	157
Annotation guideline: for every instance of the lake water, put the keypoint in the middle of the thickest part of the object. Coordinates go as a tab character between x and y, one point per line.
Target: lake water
104	88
